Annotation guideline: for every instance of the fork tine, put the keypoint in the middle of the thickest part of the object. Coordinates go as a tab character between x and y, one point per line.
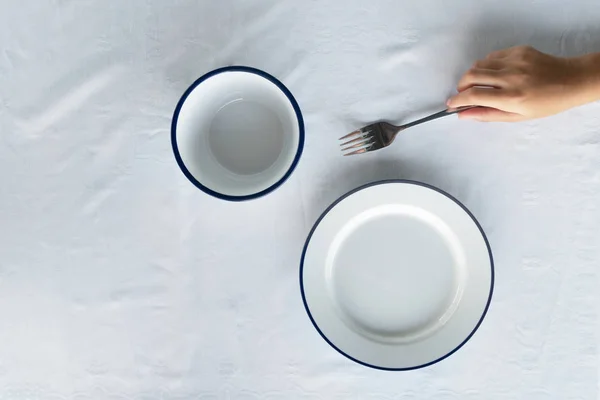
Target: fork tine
351	134
358	139
368	141
357	152
362	131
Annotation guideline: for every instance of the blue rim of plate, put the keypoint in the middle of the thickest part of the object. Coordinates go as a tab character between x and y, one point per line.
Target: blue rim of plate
291	99
487	306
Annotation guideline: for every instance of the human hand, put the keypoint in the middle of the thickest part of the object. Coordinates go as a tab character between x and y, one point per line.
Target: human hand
523	83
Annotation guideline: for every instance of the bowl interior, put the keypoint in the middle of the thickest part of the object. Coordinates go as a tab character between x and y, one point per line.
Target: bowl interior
237	133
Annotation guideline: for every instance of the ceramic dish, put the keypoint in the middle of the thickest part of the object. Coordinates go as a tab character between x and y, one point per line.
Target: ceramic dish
237	133
396	275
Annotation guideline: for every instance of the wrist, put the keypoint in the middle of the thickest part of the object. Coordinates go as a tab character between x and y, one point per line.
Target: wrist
588	76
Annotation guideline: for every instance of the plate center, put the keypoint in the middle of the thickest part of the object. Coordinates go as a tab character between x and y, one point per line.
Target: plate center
246	137
394	273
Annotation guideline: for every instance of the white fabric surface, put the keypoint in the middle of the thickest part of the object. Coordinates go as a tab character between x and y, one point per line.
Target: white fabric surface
120	280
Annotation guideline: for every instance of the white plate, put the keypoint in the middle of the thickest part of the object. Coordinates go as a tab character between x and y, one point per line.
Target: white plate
396	275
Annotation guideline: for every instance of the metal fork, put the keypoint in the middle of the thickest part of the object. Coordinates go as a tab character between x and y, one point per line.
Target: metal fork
381	134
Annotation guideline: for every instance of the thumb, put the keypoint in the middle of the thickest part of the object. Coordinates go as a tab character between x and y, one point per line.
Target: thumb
488	114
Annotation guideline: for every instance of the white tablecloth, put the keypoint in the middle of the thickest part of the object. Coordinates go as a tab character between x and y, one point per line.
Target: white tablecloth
120	280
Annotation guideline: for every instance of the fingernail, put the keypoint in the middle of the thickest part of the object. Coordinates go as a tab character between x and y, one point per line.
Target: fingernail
449	102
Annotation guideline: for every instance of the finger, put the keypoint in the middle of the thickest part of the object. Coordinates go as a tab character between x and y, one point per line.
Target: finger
500	53
481	77
477	96
495	64
487	114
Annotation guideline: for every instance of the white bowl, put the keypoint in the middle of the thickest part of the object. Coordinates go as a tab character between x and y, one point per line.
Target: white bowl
237	133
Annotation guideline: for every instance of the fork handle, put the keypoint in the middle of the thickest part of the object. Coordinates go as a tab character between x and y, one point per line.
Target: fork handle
443	113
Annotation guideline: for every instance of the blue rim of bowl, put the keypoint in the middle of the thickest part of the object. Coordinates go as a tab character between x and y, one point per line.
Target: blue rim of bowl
487	306
291	99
